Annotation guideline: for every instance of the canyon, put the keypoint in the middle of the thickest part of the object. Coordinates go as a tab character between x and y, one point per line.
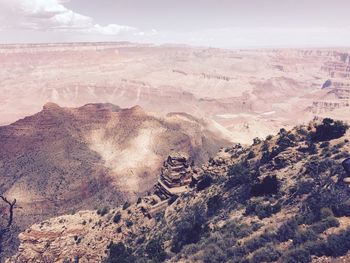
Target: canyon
92	126
246	93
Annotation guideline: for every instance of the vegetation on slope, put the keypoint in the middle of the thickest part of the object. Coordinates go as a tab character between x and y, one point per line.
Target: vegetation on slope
282	199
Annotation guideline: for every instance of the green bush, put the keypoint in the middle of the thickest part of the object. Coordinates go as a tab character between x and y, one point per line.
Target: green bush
268	186
261	209
326	212
324	224
212	254
266	254
189	229
239	174
304	186
129	223
103	211
316	247
343	209
155	251
287	230
118	253
302	236
324	144
269	137
117	217
256	141
260	241
213	205
297	255
126	205
236	230
204	183
338	244
329	130
251	155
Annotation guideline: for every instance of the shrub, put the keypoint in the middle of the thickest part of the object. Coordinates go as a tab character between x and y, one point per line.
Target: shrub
268	186
213	205
298	255
304	186
338	244
329	130
323	197
343	209
317	247
204	183
324	224
303	236
126	205
128	223
280	162
256	141
103	211
118	253
324	144
266	156
241	168
286	141
260	241
287	230
266	254
269	137
236	230
117	217
155	251
262	210
326	212
189	229
239	174
212	254
251	155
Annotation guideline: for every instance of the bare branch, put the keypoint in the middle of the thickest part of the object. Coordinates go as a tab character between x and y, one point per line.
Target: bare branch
11	207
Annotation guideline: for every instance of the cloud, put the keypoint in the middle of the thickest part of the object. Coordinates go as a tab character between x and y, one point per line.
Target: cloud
151	33
112	29
52	15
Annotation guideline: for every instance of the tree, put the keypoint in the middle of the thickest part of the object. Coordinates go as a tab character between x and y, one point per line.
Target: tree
11	207
9	220
329	130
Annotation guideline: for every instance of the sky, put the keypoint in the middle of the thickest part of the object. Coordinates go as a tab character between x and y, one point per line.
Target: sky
215	23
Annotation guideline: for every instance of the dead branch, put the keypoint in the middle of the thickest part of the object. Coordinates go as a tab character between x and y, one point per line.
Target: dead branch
11	207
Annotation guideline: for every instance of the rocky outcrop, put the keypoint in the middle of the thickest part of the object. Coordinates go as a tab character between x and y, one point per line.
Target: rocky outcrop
234	209
326	106
85	235
177	174
68	159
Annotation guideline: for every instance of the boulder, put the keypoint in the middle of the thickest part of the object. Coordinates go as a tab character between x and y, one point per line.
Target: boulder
347	180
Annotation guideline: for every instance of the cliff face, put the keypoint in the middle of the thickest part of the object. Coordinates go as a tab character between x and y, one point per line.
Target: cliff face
250	92
281	199
62	160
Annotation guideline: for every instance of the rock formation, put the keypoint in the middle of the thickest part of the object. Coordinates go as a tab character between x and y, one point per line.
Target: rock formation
234	215
61	160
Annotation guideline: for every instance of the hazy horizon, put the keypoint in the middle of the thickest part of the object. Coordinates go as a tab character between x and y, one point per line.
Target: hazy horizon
225	24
